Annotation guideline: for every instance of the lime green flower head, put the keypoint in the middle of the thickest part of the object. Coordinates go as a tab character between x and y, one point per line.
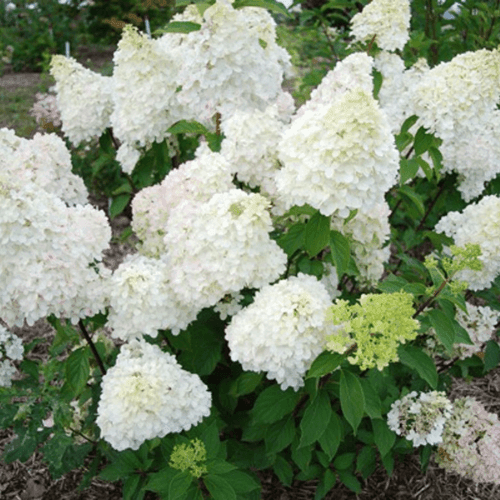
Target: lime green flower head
374	327
189	457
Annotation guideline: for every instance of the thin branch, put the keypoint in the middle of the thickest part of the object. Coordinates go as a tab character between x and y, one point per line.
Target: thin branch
98	359
430	299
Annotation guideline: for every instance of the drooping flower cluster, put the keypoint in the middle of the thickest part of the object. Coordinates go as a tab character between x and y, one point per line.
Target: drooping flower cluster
374	327
283	330
83	99
478	223
420	418
146	394
340	159
45	110
387	20
368	232
11	346
60	248
44	161
196	180
471	442
220	247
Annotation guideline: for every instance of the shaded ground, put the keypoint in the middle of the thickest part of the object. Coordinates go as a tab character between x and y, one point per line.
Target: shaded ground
32	481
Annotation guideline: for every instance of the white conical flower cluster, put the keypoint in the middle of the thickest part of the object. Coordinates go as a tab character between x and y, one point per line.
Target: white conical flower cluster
283	330
44	161
12	347
83	99
146	395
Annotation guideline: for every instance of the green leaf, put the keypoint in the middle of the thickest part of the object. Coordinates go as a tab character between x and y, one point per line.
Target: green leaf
241	482
408	123
301	456
293	239
179	27
425	167
211	440
53	453
317	233
325	363
383	436
315	420
118	204
330	439
185	127
437	159
377	82
341	252
280	434
283	470
125	188
373	405
273	404
205	352
344	461
247	382
20	448
77	370
423	141
131	487
418	360
160	481
443	327
366	461
414	197
219	488
179	484
392	284
219	467
349	479
326	483
352	400
407	169
491	355
270	5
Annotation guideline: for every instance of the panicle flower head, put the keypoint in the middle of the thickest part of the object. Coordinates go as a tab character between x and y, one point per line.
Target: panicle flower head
339	160
376	326
388	20
477	224
83	99
471	442
146	395
189	457
282	331
420	418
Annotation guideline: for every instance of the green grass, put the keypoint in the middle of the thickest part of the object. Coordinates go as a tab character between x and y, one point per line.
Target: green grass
15	105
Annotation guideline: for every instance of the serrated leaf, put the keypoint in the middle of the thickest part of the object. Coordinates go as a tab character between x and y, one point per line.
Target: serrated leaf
179	484
317	233
179	27
352	399
53	452
392	284
118	204
373	405
415	358
315	419
491	355
423	141
330	439
280	434
186	127
407	169
377	82
283	470
219	488
425	167
443	327
366	461
408	123
77	368
383	436
325	363
131	487
301	456
341	252
344	461
293	239
241	481
273	404
414	197
247	382
270	5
